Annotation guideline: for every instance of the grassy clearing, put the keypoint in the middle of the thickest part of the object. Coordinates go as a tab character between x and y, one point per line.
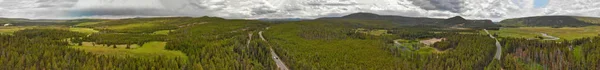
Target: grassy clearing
84	30
567	33
372	32
418	46
128	26
163	32
11	29
150	49
88	23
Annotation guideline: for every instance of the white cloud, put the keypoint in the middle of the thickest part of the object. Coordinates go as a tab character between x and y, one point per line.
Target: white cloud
480	9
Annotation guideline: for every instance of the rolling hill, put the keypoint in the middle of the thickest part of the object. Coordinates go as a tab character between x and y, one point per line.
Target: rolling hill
551	21
454	22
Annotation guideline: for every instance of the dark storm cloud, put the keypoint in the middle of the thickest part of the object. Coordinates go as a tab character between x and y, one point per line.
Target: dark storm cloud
442	5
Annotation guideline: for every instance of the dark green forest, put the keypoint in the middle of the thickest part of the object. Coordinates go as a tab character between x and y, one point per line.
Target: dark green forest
346	43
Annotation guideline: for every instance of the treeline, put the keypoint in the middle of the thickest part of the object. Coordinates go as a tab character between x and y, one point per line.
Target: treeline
113	39
333	45
581	54
148	25
329	45
456	51
42	53
223	45
53	34
546	21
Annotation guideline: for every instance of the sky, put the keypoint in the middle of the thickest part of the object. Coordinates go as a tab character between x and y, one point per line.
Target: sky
254	9
540	3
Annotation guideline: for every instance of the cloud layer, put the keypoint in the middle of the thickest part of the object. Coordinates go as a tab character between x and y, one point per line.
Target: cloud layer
474	9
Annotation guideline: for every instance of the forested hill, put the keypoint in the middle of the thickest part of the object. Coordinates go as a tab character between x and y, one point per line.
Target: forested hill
5	20
455	22
551	21
43	22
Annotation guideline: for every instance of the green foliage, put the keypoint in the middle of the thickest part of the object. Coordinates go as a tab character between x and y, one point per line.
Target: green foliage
332	45
42	53
568	33
326	45
222	45
182	43
54	34
121	38
548	21
147	25
148	50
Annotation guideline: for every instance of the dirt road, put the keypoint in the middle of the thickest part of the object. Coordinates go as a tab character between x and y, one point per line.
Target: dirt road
498	46
278	61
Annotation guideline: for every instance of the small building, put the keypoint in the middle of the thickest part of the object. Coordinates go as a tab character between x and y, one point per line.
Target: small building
7	24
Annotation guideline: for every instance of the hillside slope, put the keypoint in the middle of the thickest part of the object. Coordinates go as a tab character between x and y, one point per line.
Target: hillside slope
454	22
551	21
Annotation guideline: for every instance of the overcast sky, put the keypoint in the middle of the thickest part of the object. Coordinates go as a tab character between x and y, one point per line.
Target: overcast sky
248	9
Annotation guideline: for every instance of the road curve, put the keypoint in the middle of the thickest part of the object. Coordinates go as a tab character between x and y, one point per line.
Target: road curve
280	64
498	54
250	39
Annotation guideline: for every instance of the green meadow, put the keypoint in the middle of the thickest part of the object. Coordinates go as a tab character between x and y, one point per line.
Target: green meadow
566	33
150	49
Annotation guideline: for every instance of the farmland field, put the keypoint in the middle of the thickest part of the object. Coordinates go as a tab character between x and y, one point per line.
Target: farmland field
150	49
567	33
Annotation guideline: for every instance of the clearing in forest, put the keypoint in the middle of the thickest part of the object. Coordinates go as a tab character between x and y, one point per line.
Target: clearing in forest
149	49
84	30
432	41
568	33
163	32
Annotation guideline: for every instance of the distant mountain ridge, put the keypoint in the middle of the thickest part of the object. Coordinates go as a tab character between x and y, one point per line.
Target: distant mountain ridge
551	21
455	22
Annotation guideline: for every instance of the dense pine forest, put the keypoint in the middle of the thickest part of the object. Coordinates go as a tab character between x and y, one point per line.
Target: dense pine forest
345	43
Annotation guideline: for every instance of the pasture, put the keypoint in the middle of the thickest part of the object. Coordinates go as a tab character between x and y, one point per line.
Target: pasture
565	33
150	49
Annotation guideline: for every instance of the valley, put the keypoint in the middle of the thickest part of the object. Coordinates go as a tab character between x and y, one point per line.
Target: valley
362	41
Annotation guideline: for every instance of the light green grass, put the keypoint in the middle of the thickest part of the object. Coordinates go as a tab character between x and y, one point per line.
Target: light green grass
163	32
88	23
567	33
578	53
150	49
84	30
11	29
137	25
372	32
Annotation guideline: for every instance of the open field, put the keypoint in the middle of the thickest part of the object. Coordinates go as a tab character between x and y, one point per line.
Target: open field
11	29
372	32
163	32
567	33
84	30
88	23
149	49
136	27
